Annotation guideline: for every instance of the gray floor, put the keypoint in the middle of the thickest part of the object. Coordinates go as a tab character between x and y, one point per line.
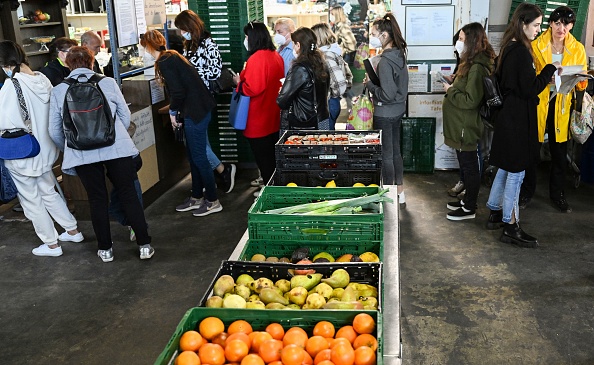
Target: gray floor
466	297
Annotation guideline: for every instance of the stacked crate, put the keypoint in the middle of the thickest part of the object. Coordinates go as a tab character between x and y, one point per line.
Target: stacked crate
417	144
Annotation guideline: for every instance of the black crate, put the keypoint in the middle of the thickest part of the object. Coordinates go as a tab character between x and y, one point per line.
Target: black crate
319	177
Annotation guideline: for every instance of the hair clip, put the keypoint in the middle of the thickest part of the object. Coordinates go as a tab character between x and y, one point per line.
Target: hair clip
313	46
162	48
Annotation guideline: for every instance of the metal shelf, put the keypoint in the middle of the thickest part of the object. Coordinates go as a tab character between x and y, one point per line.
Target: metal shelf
34	25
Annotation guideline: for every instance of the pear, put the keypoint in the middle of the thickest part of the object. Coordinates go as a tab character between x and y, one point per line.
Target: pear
324	255
283	284
315	301
258	257
269	295
272	259
339	279
243	291
343	305
227	294
333	300
275	306
292	306
257	285
278	290
366	290
349	295
324	290
284	259
254	298
306	281
337	293
214	302
370	302
234	301
224	284
255	305
369	257
298	295
244	279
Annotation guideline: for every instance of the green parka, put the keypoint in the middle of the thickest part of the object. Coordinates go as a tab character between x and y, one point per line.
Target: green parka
462	125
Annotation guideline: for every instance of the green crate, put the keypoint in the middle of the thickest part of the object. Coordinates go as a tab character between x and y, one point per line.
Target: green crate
291	228
259	319
285	249
417	141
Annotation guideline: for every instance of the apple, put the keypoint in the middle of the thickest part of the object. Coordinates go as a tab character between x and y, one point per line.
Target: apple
37	12
41	17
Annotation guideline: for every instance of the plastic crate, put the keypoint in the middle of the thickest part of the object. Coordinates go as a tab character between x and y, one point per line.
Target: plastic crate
418	144
285	249
290	228
259	319
319	177
360	272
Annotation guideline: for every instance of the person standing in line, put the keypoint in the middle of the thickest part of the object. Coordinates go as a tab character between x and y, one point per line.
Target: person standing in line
341	78
515	139
389	98
556	44
203	53
462	124
305	90
344	35
191	98
92	41
56	70
283	27
33	177
260	80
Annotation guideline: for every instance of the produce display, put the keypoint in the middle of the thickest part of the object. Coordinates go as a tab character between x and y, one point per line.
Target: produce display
213	343
337	138
302	256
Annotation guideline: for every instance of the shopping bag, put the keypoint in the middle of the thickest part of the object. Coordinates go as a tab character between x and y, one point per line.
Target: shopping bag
239	108
580	123
361	54
361	116
8	190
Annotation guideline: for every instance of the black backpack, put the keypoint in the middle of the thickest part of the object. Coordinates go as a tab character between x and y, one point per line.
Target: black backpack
492	100
87	118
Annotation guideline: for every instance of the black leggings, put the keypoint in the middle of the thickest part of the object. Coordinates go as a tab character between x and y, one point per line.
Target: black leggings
263	149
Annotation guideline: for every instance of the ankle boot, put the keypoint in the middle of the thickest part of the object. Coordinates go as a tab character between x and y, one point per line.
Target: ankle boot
494	222
512	233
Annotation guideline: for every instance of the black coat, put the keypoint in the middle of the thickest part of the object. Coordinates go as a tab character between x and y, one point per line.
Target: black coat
187	92
55	72
515	140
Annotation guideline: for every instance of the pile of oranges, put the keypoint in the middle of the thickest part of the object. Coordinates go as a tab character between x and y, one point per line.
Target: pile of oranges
241	345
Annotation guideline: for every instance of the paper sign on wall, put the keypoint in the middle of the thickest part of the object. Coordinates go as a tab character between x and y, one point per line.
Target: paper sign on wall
417	78
144	136
445	69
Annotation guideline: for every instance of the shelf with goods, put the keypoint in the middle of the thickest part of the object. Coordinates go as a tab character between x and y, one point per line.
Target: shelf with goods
22	34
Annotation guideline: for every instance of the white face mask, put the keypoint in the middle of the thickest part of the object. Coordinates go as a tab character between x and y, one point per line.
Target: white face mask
245	44
280	39
459	47
295	54
331	18
187	36
375	42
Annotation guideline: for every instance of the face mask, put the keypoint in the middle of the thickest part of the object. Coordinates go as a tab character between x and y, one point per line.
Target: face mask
295	54
280	39
331	18
187	36
245	44
7	71
148	59
459	47
375	42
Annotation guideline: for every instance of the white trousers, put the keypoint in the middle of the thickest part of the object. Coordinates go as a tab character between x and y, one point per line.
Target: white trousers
41	202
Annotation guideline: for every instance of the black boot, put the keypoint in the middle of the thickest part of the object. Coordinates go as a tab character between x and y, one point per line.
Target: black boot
512	233
494	222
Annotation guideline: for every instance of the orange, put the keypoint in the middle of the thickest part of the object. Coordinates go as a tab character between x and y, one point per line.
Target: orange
295	336
292	355
324	329
187	358
240	336
211	354
364	356
316	344
258	339
239	326
347	332
363	323
236	350
190	341
252	359
276	331
343	354
326	362
339	341
307	359
322	355
210	327
365	340
276	363
270	350
220	339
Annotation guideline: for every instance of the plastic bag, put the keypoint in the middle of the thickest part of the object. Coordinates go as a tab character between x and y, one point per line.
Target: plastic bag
580	123
361	116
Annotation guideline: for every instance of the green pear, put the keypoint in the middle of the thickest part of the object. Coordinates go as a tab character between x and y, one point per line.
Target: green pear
257	285
234	301
366	290
258	258
315	301
324	290
293	306
307	281
349	295
323	255
254	298
370	302
275	306
269	295
255	305
298	295
340	278
243	291
343	305
283	284
244	279
333	300
224	284
278	290
337	293
214	302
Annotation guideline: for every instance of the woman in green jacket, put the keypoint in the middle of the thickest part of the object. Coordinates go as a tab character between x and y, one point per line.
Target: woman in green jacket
462	125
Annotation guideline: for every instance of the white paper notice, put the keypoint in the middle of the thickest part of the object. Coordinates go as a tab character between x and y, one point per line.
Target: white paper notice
427	106
445	69
144	137
429	25
140	18
495	40
154	12
125	17
417	78
157	92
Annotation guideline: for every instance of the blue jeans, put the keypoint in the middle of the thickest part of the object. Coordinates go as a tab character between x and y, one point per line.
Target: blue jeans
196	148
213	160
392	164
334	110
505	193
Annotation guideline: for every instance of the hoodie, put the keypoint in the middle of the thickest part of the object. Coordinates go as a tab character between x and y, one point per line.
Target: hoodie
341	77
55	71
36	92
389	98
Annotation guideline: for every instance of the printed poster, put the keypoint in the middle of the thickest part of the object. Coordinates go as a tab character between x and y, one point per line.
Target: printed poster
417	78
445	69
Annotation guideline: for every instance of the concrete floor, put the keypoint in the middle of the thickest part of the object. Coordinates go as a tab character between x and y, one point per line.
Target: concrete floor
466	297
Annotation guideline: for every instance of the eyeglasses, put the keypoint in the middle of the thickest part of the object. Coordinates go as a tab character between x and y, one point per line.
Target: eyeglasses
65	51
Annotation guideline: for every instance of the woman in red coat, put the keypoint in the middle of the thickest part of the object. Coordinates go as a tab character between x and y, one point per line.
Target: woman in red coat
260	80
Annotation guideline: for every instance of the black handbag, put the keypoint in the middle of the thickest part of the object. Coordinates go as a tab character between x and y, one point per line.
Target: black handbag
224	83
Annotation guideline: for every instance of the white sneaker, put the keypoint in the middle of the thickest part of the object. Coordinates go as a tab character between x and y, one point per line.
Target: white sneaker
66	237
44	250
257	193
457	189
402	200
